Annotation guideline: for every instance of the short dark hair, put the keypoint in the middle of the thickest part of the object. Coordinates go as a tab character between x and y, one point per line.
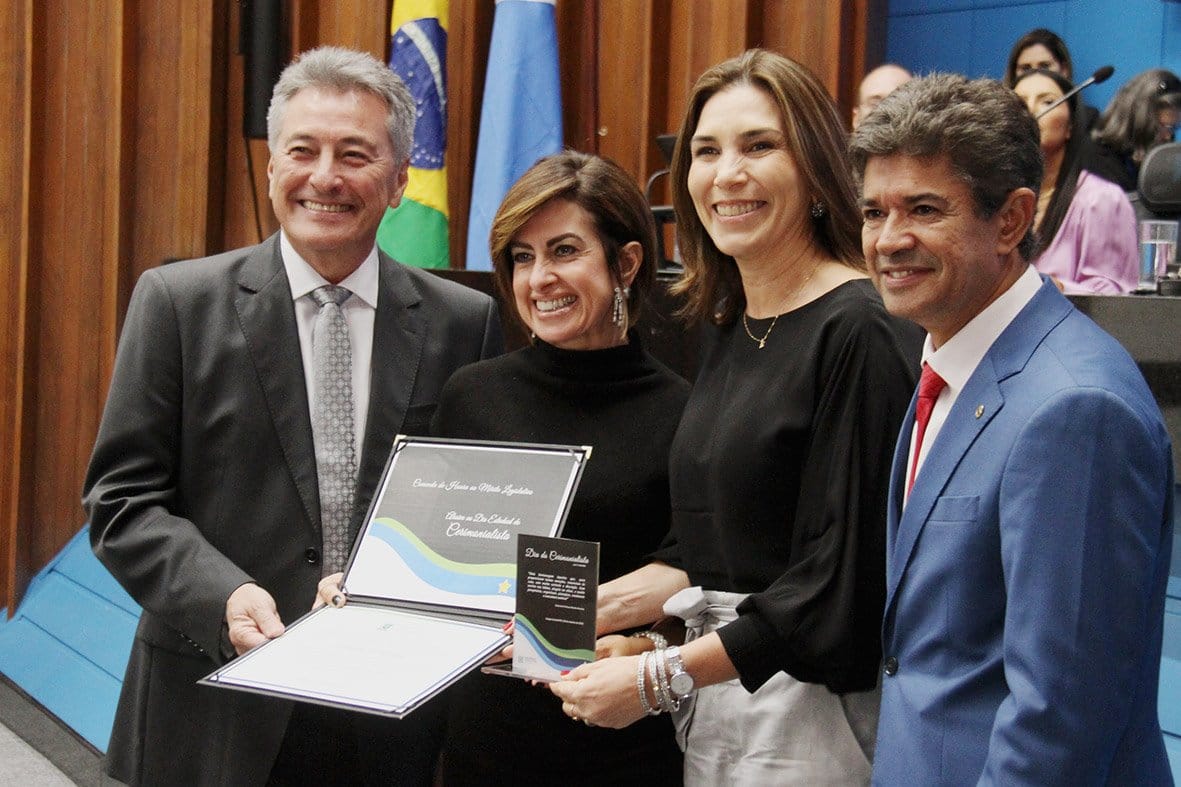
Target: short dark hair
989	138
1047	38
600	187
1129	124
816	139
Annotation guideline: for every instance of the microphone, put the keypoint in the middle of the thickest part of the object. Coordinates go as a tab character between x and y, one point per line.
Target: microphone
1100	75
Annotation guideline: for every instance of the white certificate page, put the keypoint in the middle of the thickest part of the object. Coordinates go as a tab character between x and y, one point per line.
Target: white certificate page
370	658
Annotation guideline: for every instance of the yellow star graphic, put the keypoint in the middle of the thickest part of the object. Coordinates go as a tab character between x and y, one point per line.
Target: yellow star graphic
504	586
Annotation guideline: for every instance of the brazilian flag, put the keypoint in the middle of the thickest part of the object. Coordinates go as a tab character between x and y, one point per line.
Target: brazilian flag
416	231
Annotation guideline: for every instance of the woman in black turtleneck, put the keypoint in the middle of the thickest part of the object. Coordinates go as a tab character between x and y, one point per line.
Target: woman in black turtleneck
573	248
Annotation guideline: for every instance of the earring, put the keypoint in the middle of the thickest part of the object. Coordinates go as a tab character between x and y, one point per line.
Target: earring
818	210
617	307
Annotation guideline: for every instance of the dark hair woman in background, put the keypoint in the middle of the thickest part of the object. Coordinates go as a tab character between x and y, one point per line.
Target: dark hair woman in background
1086	226
1039	48
1044	49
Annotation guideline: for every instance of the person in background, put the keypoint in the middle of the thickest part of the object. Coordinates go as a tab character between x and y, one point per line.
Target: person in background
877	85
779	466
1031	497
228	477
1044	49
1144	112
1085	225
574	250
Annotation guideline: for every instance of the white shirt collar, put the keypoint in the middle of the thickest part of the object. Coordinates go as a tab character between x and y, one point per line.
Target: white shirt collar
959	356
303	278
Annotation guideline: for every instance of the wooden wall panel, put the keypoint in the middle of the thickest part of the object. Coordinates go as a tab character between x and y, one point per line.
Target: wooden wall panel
578	30
76	232
818	33
469	33
241	193
625	80
359	24
16	69
172	133
116	174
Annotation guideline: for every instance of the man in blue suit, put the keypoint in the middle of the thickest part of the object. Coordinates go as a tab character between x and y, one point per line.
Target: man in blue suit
1026	566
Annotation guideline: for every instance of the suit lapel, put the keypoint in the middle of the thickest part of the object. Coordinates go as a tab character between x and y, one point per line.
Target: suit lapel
980	396
897	480
267	316
399	333
976	406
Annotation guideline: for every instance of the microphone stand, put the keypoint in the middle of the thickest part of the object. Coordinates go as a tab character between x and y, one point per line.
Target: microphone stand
1100	75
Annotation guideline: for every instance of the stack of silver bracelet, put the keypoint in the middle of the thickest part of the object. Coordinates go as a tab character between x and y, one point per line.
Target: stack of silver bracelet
654	665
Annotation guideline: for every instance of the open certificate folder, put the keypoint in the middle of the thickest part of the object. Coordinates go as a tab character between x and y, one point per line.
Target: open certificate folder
431	580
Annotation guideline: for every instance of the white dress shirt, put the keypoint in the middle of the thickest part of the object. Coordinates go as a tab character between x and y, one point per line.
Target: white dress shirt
359	312
959	356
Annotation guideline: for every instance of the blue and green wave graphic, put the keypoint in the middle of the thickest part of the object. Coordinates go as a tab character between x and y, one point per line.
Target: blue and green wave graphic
557	658
473	579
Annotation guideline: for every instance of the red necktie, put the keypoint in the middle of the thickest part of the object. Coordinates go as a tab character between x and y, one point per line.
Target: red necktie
930	386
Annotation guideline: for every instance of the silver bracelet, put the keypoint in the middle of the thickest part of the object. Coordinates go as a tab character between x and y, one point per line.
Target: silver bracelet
654	675
664	694
641	674
655	636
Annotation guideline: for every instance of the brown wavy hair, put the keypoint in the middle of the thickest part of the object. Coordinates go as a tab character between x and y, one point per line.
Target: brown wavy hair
600	187
816	138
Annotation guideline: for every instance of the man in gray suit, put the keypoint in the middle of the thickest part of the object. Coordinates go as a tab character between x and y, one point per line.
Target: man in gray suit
205	497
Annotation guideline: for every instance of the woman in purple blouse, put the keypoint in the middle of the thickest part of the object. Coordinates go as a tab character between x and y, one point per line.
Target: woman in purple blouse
1086	226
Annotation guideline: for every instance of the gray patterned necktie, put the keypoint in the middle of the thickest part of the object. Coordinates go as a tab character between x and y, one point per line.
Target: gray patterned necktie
332	424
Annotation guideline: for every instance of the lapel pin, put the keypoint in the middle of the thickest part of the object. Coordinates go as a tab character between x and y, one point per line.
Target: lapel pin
979	410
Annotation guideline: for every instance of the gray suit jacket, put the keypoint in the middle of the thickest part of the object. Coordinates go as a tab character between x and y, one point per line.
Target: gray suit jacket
203	478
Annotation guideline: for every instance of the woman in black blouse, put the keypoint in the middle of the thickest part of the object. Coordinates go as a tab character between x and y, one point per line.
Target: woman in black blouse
780	466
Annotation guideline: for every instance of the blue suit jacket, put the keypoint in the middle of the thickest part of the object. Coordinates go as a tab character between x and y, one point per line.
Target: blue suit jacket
1026	576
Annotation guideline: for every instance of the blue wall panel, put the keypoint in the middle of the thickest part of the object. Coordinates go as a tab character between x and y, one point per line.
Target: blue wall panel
995	29
1170	35
68	684
68	643
938	6
921	43
1169	697
1127	35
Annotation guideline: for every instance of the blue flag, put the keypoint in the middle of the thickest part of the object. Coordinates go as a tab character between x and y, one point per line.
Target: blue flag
521	120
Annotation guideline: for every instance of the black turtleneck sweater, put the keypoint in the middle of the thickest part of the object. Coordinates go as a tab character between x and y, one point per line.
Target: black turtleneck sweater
626	405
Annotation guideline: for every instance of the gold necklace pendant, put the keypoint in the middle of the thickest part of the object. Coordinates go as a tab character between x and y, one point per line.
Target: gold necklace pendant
786	302
763	341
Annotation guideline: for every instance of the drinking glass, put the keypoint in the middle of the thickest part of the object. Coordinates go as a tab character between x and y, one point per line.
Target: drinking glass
1158	248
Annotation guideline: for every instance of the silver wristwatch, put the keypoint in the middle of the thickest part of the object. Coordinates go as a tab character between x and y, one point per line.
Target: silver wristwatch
679	681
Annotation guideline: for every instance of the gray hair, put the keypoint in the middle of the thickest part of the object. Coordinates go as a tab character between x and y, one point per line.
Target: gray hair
1129	124
989	137
346	71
